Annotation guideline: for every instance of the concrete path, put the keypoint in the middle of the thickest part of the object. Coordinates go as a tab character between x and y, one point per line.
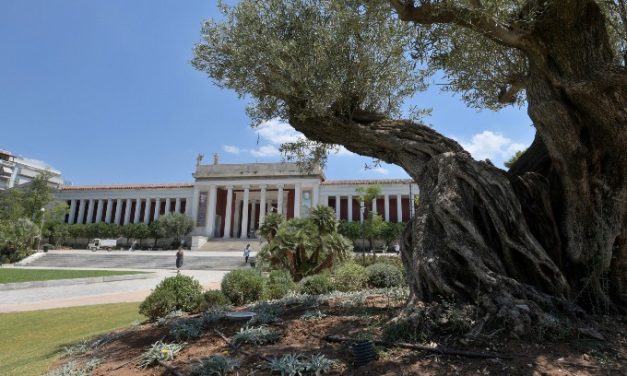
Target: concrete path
97	293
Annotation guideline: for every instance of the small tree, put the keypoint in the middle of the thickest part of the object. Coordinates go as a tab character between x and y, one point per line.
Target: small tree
16	239
175	225
156	231
306	246
373	228
391	232
270	226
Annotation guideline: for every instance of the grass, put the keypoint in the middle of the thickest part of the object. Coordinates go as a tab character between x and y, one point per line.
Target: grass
31	341
11	275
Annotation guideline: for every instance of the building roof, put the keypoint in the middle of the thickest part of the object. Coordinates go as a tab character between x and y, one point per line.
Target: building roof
126	186
367	182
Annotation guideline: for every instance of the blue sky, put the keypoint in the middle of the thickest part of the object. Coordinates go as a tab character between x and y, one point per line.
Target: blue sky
104	92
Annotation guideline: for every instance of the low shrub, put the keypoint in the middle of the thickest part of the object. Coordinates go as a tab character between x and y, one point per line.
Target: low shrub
317	284
174	293
255	336
350	277
266	313
212	315
243	286
382	275
160	351
370	259
184	330
298	364
214	298
215	365
279	284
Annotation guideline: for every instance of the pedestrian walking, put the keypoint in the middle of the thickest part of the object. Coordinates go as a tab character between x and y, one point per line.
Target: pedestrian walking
179	259
246	253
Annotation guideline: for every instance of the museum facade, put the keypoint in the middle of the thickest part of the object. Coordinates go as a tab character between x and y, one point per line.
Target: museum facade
231	200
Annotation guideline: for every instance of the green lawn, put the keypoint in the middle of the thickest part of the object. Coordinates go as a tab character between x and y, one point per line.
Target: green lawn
31	341
10	275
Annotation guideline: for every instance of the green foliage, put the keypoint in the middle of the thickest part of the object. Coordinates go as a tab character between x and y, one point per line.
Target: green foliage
313	315
350	277
351	230
278	285
16	239
184	330
74	369
270	226
215	365
298	364
317	284
160	351
368	193
514	158
175	225
266	313
255	336
174	293
214	298
212	315
306	246
391	232
373	227
381	275
243	286
303	59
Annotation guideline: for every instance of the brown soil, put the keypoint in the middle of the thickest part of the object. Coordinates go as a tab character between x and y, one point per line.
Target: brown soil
578	355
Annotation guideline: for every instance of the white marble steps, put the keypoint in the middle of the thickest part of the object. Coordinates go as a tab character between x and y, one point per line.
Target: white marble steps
229	245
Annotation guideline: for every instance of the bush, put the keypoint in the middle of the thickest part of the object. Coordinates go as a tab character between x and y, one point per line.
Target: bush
350	277
317	284
279	284
242	286
215	365
390	260
382	275
255	336
174	293
214	298
184	330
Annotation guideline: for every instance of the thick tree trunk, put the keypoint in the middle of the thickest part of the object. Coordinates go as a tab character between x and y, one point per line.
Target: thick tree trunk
550	235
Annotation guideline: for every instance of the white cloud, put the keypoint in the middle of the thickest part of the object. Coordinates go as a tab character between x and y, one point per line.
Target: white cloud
278	132
376	170
232	149
265	151
488	144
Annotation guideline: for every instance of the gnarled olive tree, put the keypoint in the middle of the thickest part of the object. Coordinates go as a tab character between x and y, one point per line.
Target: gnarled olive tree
547	236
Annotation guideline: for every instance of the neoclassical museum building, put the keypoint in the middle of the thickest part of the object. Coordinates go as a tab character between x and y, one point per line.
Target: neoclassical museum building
231	200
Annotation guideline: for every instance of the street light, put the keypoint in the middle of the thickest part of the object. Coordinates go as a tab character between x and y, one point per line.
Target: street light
41	228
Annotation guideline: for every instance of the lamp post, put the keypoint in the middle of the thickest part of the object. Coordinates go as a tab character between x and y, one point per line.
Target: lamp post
41	227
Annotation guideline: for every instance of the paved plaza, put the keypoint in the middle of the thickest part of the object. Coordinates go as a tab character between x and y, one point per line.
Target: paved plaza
207	268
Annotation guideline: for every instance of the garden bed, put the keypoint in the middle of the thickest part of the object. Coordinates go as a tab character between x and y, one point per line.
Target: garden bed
305	324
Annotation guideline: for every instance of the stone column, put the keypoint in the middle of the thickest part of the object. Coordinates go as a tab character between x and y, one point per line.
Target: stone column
229	210
118	211
324	201
211	211
237	220
350	208
338	207
316	195
386	204
109	211
90	210
157	208
244	233
399	208
138	208
127	213
177	205
189	208
81	211
262	204
167	205
99	211
253	213
72	216
279	199
374	206
147	212
298	193
362	209
193	205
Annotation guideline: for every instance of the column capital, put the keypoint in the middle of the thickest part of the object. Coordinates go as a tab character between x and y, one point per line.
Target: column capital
229	187
281	186
246	186
263	186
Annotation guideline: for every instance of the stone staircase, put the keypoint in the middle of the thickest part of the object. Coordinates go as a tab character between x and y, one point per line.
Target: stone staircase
228	245
135	261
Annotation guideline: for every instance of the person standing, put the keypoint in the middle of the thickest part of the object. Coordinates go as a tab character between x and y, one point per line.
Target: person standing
179	259
246	253
397	248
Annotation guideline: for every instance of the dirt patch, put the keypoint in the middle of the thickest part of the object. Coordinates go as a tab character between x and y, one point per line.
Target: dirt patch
576	355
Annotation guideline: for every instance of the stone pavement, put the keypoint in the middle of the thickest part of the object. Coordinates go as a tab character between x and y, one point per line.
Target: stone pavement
208	268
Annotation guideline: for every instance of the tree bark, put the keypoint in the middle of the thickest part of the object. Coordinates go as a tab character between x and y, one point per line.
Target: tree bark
547	237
